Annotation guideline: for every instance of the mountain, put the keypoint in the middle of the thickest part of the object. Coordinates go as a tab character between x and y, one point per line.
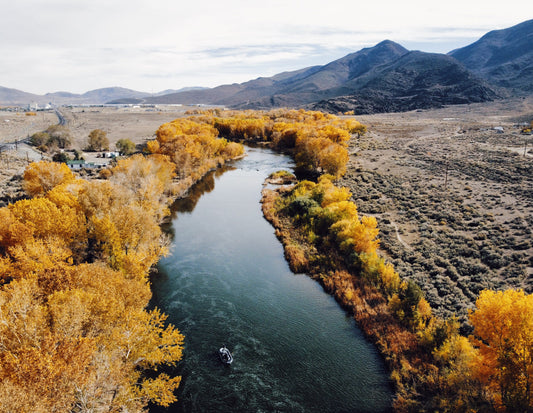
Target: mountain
382	78
294	88
97	96
16	97
140	98
503	57
183	89
110	93
416	80
206	96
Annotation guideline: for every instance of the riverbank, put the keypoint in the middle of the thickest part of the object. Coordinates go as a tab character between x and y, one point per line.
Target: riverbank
412	371
369	307
433	367
78	254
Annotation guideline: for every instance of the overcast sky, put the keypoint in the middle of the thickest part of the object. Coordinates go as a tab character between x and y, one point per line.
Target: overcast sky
153	45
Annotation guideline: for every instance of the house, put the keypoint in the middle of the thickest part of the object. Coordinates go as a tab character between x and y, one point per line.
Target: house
110	154
81	164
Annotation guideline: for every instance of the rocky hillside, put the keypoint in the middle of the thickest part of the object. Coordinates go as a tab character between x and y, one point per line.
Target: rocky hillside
417	80
503	57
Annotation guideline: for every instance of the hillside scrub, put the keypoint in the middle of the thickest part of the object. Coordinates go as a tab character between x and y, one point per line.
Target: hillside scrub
75	260
433	367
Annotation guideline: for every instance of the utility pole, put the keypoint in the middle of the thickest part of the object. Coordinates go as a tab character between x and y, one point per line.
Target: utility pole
446	174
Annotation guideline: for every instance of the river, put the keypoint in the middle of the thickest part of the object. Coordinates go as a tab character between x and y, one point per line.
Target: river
226	281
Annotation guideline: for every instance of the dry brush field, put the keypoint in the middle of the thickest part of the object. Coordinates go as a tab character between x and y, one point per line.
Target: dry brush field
453	197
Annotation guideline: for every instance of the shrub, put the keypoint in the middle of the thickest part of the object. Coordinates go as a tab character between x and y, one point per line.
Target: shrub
98	141
301	205
39	139
59	137
125	146
61	157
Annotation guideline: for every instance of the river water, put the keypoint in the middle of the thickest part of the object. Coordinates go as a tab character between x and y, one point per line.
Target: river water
226	281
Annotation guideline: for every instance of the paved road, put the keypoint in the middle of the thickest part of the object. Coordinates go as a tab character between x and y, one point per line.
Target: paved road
62	120
9	146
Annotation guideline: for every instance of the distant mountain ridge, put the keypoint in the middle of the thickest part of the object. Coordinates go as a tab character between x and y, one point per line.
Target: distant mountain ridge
97	96
295	88
503	57
382	78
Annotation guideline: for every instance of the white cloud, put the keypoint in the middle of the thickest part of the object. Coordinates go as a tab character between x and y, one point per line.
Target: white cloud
159	44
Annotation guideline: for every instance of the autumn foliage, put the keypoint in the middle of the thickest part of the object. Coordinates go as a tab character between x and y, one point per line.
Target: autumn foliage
503	334
75	334
317	141
41	177
98	141
192	144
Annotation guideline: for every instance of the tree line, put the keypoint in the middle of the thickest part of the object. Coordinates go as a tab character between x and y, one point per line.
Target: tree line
317	141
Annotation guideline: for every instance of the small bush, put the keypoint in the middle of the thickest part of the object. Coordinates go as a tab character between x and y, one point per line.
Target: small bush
301	205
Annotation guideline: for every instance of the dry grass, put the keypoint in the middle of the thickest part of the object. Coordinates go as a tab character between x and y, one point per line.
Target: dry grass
136	124
16	125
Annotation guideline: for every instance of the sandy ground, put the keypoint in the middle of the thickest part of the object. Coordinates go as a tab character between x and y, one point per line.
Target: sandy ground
17	125
136	124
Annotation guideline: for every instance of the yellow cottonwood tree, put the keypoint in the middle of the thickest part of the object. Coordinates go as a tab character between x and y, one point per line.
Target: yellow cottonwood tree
12	231
47	219
459	390
75	334
503	332
40	177
149	179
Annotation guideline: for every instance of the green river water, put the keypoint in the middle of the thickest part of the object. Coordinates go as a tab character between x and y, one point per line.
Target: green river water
226	281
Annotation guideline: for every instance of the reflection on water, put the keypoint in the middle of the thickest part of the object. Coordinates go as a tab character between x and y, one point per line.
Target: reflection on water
226	282
205	185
